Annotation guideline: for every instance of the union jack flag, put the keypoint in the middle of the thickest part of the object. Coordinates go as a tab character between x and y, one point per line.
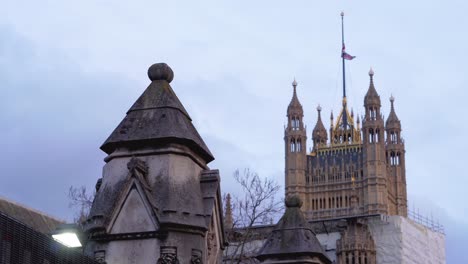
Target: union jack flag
345	55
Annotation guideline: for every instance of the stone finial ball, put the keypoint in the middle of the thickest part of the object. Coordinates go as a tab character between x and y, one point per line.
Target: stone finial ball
293	201
160	71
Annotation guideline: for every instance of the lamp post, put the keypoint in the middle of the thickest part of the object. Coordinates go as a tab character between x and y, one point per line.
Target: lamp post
69	235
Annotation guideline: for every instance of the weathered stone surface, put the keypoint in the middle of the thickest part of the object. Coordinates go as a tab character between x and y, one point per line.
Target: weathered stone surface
292	237
157	202
155	119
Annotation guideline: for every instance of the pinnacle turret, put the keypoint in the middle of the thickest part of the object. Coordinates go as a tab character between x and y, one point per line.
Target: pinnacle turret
372	98
319	134
295	106
392	120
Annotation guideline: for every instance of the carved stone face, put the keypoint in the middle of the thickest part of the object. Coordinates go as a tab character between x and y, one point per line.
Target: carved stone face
100	256
168	256
196	257
168	259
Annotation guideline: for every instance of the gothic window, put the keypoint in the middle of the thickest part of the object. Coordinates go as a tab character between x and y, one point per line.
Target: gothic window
377	136
392	158
373	113
307	179
393	137
293	146
371	135
398	159
295	123
298	146
346	201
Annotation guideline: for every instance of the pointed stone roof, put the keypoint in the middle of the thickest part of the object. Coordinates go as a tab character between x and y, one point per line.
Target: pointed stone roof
295	106
292	237
157	117
392	120
319	129
372	97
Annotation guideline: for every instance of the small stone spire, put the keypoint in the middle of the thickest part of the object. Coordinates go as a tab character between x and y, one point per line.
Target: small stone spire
319	134
372	97
392	120
295	105
228	219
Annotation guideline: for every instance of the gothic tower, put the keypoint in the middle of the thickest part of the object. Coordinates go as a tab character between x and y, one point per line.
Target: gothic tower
395	155
375	183
295	137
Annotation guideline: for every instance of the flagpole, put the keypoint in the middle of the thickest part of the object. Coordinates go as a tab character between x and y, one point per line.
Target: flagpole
345	119
342	57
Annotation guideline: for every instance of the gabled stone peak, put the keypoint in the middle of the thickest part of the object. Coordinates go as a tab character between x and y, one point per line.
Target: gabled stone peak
157	118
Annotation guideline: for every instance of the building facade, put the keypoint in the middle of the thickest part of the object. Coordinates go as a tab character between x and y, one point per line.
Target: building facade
353	171
353	168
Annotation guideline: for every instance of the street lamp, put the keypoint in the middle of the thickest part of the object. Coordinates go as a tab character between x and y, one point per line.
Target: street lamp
68	235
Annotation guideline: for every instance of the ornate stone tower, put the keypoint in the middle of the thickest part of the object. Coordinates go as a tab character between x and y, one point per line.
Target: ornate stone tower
353	174
295	147
353	171
375	183
156	190
395	156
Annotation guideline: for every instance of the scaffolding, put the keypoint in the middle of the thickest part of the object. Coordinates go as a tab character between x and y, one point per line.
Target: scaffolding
430	223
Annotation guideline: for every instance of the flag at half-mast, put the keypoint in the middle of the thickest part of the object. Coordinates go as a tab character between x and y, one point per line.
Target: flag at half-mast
345	55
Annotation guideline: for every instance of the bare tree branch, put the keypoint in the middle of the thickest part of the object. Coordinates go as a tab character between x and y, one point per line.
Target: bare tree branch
258	205
79	198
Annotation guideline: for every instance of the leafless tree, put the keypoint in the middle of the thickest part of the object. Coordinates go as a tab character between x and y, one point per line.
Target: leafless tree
79	198
257	205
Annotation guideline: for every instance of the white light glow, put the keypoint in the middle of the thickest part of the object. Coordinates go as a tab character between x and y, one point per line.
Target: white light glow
68	239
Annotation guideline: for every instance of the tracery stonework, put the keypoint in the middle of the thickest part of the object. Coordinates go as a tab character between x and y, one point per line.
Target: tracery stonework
356	245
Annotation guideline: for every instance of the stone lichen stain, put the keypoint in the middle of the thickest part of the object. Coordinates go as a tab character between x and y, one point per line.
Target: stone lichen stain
132	257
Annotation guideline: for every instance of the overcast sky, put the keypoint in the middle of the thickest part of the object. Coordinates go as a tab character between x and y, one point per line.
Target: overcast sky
69	70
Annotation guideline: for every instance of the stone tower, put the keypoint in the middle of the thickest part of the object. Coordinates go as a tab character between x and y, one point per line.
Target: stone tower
295	137
395	156
350	171
157	190
375	183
